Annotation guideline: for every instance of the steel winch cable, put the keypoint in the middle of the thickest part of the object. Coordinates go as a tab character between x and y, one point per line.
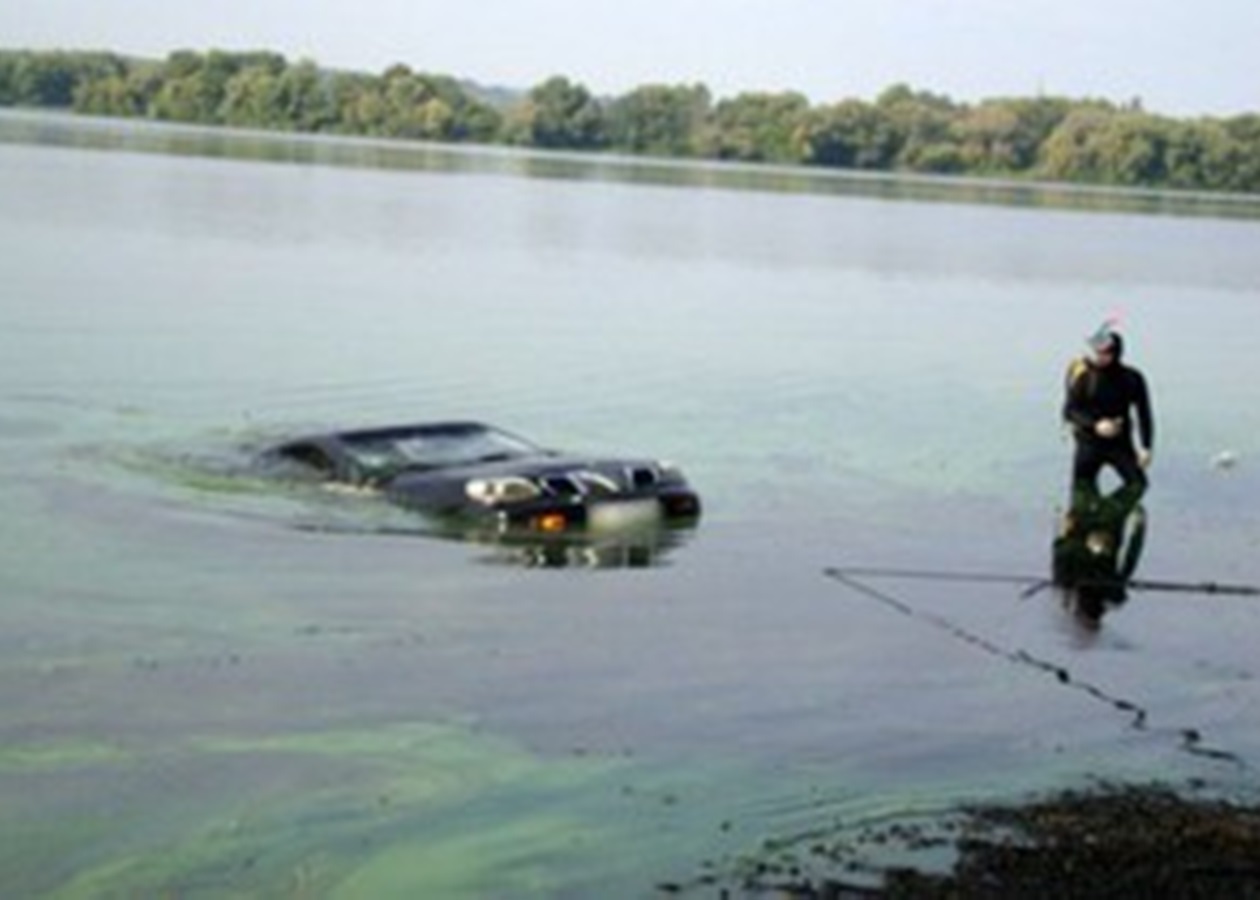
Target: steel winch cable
852	578
1035	583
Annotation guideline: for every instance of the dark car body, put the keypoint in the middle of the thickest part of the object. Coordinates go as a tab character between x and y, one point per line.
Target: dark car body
470	473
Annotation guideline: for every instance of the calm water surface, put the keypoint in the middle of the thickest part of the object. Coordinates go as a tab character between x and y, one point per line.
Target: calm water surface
212	687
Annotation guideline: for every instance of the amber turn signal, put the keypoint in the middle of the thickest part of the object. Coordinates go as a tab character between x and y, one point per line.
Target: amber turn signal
551	522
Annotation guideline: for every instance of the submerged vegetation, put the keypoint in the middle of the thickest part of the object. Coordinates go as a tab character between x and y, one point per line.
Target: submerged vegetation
1087	141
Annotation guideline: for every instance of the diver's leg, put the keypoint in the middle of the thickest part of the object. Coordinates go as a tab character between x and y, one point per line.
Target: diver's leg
1124	460
1086	465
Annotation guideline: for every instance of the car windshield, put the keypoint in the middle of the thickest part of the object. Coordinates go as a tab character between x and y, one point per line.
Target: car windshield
388	452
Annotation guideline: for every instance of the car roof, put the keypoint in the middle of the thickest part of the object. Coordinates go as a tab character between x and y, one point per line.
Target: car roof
420	428
388	432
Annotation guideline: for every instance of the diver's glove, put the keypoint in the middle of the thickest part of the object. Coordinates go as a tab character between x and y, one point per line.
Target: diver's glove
1145	458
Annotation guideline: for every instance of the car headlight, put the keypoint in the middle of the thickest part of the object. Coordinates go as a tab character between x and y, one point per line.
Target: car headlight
493	491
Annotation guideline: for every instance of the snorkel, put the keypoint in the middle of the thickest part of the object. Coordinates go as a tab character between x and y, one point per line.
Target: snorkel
1106	341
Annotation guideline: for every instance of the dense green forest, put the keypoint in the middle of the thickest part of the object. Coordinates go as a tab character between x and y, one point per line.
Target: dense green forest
902	130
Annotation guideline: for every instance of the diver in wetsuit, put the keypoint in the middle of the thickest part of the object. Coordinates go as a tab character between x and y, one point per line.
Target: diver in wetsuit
1103	397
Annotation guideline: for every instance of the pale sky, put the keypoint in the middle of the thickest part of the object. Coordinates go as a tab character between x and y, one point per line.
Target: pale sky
1180	58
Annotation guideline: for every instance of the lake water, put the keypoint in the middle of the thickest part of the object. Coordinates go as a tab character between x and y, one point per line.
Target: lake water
213	687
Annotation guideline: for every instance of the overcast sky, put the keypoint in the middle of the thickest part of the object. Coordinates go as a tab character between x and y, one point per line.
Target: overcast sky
1179	58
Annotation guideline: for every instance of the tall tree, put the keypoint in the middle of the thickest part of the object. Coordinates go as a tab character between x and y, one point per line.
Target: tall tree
187	98
1244	168
559	114
113	95
849	134
251	99
660	120
51	79
759	127
1070	152
305	98
923	125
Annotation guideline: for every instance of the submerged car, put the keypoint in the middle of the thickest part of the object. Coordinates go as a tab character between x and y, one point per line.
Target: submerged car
473	474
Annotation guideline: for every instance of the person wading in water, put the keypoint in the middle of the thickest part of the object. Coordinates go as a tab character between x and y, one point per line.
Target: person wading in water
1103	397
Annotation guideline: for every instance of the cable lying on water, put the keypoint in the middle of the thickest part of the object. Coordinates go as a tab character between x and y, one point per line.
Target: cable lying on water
1035	583
851	577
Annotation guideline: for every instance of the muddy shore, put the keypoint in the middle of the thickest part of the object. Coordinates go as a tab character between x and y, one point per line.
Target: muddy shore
1107	842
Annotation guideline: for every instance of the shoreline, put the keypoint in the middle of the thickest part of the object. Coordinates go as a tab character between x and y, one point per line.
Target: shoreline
1108	841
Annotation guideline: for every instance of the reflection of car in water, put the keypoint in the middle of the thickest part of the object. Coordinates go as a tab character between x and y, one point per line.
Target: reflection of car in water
1096	554
479	482
630	549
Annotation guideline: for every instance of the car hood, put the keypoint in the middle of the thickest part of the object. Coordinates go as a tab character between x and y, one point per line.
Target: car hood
619	470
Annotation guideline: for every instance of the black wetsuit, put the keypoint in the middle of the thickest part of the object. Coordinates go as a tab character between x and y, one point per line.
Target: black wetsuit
1114	391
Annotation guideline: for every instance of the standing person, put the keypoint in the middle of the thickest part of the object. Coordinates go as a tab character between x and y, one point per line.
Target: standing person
1103	397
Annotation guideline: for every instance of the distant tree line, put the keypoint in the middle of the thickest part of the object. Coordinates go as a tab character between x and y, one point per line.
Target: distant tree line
902	130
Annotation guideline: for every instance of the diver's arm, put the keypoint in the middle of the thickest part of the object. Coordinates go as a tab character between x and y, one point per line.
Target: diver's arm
1075	409
1145	418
